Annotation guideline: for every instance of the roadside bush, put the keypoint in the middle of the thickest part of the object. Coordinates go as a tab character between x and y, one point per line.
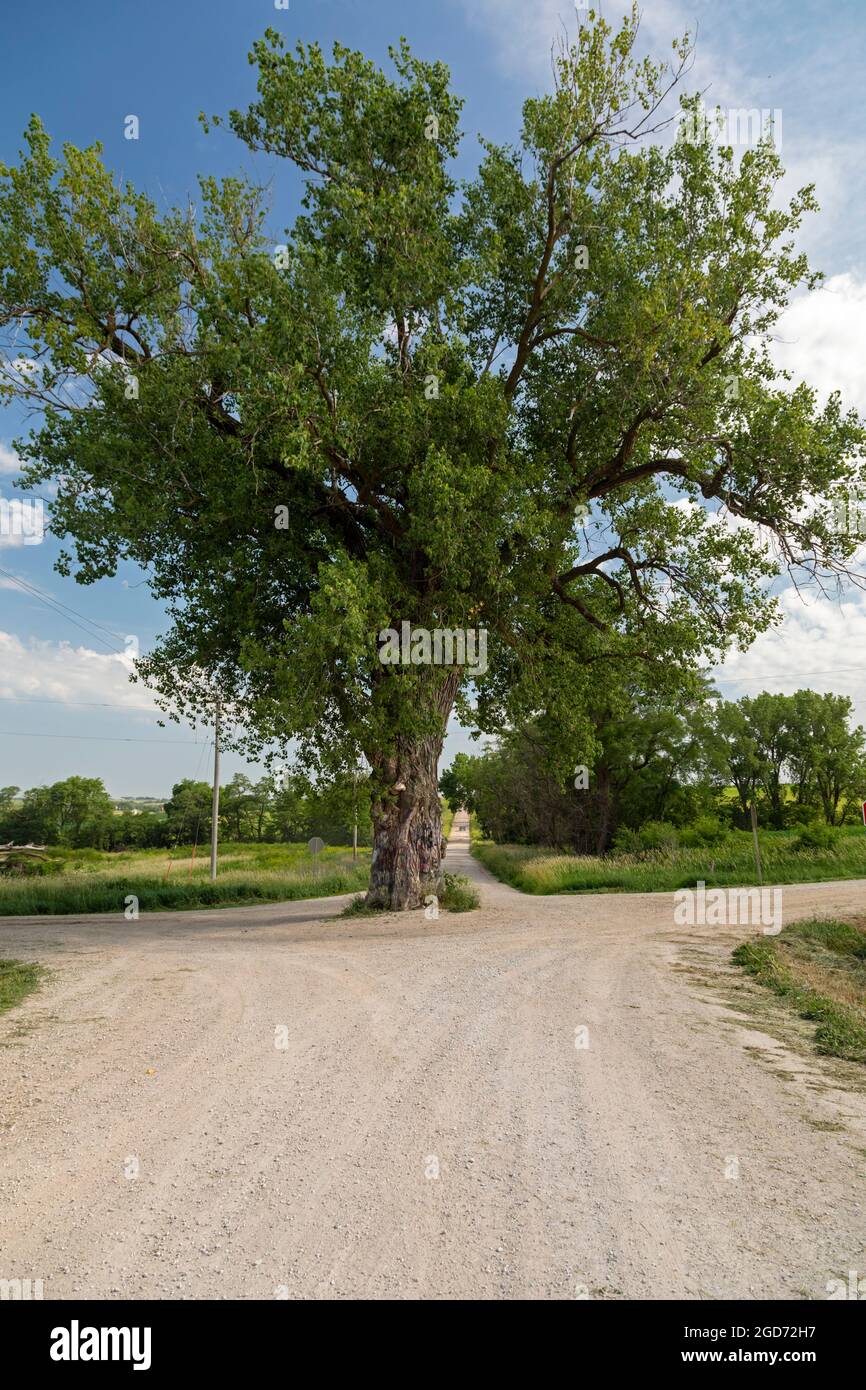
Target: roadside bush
626	841
706	830
816	836
457	894
653	837
659	835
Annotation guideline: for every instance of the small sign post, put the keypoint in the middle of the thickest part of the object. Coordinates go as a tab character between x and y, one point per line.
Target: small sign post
863	810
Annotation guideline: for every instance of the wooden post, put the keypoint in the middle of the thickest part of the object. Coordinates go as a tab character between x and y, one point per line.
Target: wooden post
215	804
757	846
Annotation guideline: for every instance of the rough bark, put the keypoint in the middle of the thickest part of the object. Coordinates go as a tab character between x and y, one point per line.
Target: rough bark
407	818
603	801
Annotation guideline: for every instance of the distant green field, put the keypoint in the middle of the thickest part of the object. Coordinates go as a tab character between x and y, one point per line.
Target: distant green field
96	881
534	870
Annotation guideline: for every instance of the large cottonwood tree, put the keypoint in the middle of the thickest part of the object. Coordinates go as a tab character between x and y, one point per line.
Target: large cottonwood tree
538	403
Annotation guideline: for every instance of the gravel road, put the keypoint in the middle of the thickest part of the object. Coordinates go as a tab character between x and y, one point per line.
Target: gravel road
276	1102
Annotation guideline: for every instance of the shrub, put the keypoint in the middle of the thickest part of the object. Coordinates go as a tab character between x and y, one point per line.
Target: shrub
705	831
816	836
457	894
626	841
653	837
658	835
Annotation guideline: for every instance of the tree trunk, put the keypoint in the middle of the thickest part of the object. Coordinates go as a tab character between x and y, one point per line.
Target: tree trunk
407	819
603	800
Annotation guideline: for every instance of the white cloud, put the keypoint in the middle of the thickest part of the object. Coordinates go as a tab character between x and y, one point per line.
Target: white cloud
58	671
832	163
521	34
822	339
9	460
816	647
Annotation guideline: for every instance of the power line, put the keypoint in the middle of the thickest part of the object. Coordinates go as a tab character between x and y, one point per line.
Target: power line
80	704
102	738
71	615
95	704
794	675
49	598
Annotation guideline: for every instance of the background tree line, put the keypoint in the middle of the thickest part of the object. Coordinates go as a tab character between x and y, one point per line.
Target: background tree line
691	760
79	813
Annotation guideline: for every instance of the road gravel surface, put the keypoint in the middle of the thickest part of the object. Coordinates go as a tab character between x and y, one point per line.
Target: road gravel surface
547	1098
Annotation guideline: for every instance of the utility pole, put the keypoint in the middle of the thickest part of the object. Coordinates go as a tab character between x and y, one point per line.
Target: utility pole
215	804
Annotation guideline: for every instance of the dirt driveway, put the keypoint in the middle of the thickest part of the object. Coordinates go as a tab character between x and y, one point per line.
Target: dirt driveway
269	1102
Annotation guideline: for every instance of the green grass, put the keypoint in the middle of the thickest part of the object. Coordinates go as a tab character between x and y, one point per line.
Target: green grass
456	894
819	967
730	864
94	881
18	978
358	908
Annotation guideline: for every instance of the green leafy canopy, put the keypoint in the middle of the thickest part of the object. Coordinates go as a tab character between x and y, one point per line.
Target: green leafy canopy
433	379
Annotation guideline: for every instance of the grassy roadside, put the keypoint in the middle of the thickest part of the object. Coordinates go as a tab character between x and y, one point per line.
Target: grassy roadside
731	864
109	895
819	967
92	881
18	978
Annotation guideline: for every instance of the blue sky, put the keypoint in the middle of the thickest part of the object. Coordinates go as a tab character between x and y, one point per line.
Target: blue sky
65	702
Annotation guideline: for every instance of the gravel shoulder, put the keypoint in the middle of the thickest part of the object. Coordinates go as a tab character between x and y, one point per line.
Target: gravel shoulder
275	1101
